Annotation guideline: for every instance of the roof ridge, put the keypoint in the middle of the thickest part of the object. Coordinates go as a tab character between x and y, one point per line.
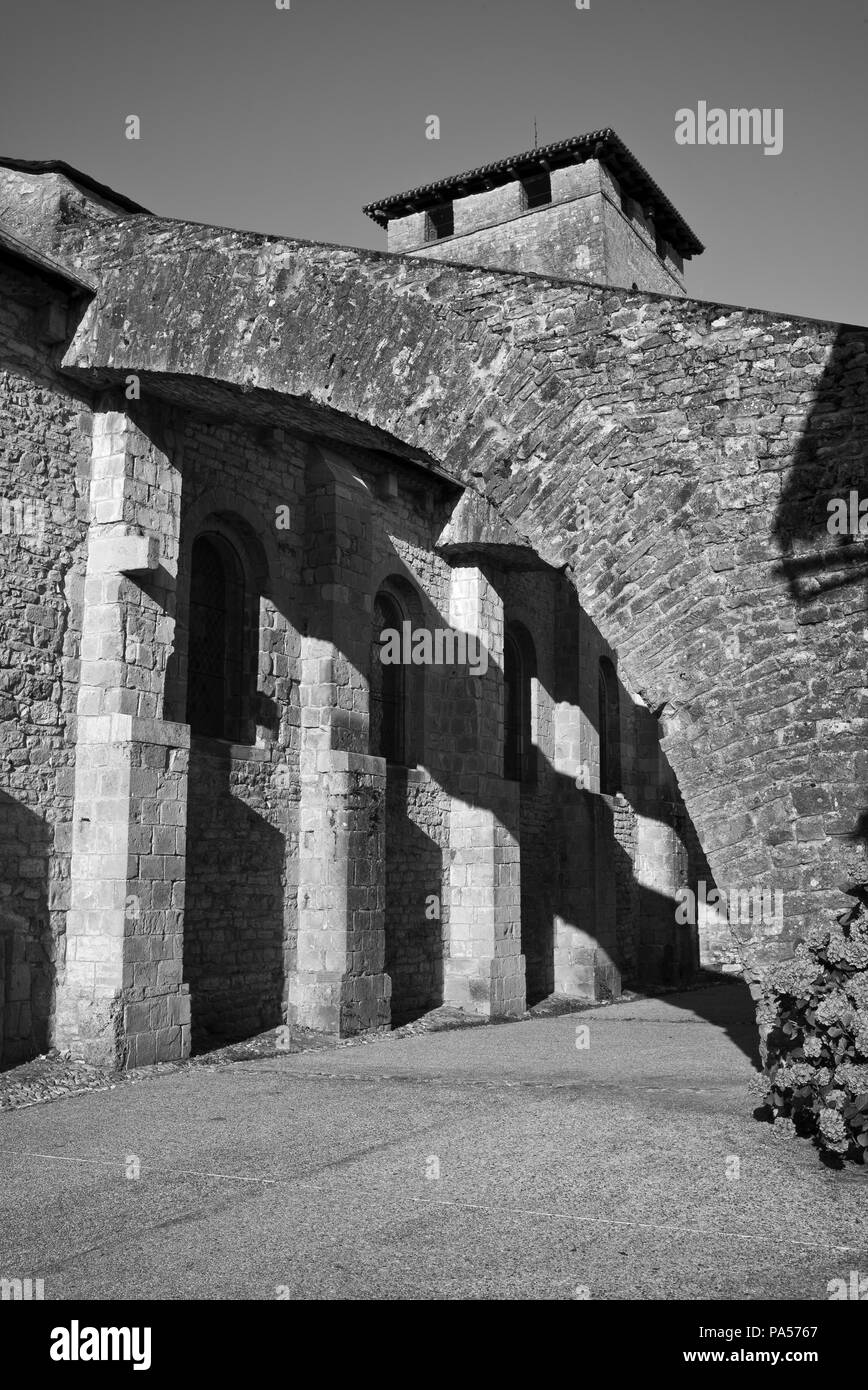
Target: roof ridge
60	166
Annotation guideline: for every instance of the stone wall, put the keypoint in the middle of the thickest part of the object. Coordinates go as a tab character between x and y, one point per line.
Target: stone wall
245	805
417	896
239	924
582	234
44	467
529	602
705	443
121	998
627	923
241	920
675	458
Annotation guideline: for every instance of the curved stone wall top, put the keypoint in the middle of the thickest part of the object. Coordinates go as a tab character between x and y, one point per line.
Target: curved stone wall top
677	456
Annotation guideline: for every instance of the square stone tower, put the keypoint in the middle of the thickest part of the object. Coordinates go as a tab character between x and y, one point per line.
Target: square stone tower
581	209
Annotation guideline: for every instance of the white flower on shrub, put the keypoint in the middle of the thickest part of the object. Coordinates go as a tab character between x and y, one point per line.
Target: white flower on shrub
853	1076
834	1008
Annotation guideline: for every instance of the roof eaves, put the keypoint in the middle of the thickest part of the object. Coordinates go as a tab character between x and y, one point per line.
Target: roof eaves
605	144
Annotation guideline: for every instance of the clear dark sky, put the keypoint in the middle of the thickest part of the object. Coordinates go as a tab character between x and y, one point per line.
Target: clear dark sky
288	121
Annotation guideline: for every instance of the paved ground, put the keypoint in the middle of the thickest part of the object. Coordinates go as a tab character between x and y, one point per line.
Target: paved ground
560	1169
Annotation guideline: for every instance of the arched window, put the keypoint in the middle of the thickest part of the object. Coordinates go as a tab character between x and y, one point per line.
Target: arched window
519	669
388	688
215	660
609	727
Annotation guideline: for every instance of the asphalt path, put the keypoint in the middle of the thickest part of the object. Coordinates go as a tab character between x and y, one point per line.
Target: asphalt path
513	1161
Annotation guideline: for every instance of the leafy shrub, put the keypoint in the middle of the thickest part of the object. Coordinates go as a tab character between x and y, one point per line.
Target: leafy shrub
816	1008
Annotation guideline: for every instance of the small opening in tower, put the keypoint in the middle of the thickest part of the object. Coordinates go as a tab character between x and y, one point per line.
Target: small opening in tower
537	190
439	222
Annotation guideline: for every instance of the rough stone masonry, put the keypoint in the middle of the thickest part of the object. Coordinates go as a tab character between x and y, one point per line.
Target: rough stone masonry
229	462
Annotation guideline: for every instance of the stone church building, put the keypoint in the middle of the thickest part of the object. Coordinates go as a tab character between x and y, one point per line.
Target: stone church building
231	463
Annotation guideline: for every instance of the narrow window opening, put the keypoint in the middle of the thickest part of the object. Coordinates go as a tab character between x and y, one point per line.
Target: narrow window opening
609	727
519	668
388	687
439	222
537	190
215	663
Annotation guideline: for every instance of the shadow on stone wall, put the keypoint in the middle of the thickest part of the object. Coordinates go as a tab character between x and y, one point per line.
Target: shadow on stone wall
539	893
831	460
236	872
831	463
234	958
667	953
414	940
26	950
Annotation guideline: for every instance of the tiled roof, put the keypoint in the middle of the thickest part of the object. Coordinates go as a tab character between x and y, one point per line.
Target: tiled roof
604	145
